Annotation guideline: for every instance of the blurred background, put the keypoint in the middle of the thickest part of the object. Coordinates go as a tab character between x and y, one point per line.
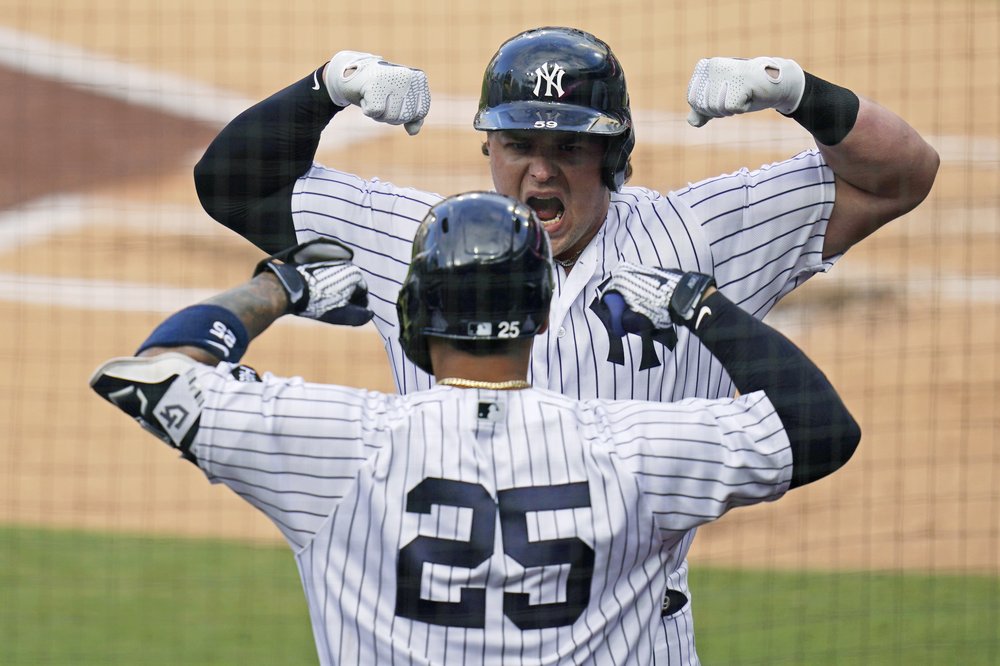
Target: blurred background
112	550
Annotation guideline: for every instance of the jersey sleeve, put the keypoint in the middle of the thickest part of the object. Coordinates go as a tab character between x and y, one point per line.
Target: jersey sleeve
376	219
765	227
696	459
288	447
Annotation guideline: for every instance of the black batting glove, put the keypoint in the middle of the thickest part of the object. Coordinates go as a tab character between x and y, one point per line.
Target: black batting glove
321	282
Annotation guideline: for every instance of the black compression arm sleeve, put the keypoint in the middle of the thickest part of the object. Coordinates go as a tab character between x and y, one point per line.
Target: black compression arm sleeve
246	176
823	434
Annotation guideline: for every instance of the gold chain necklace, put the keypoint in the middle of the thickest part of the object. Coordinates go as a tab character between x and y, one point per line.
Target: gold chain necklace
510	384
569	263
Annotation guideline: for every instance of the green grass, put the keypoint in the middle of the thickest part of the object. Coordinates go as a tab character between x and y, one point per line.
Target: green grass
846	618
81	598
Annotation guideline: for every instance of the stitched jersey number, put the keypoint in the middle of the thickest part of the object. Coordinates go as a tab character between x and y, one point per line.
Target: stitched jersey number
514	505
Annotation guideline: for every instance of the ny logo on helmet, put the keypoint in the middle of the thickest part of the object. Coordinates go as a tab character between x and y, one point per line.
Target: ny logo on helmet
553	80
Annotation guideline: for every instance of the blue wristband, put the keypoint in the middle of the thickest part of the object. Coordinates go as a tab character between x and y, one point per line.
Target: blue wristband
210	327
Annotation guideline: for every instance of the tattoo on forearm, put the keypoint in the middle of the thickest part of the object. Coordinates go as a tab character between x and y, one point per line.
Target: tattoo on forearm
258	303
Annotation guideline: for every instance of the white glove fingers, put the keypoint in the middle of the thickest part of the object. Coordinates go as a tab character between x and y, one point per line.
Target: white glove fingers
374	107
696	119
413	126
336	281
385	92
332	285
646	290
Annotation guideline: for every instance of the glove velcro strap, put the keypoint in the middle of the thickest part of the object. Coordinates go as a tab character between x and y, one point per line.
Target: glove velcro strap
210	327
284	266
292	282
687	296
827	110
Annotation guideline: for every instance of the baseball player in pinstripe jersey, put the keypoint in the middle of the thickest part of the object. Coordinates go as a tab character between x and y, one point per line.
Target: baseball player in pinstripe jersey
481	520
559	135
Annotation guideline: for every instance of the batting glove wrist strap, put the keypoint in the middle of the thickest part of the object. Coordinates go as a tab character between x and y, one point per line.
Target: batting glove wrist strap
210	327
385	92
664	296
291	281
826	110
321	282
687	296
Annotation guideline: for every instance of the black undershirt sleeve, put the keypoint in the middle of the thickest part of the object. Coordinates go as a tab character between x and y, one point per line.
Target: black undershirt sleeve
822	432
246	176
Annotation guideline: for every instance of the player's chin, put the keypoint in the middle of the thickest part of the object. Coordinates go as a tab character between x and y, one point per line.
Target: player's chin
559	249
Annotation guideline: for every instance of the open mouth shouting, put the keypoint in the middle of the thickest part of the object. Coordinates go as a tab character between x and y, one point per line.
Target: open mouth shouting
548	209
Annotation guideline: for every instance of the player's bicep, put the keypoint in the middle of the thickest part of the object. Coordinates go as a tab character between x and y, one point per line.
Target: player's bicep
765	228
856	215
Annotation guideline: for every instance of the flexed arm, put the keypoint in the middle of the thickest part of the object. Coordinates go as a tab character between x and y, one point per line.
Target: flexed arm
883	167
822	434
246	177
155	387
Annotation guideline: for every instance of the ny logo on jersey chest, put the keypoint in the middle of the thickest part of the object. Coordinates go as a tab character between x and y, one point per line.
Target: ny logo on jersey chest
616	345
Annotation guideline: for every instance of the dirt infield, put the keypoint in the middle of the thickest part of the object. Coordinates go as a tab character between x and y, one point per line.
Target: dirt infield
908	324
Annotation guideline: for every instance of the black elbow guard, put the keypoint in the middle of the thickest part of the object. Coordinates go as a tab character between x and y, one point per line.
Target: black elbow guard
156	391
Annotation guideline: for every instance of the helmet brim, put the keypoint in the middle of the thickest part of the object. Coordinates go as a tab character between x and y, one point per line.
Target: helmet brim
526	115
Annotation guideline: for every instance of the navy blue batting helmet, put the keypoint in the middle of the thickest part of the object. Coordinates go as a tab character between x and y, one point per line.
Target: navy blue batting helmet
560	79
481	270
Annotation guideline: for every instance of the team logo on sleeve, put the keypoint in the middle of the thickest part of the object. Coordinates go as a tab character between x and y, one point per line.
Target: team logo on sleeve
616	346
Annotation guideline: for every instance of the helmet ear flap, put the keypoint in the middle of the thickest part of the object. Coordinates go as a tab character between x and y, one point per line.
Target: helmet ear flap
411	317
615	166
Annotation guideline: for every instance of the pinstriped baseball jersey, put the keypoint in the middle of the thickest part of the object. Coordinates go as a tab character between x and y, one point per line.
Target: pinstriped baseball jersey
468	526
760	233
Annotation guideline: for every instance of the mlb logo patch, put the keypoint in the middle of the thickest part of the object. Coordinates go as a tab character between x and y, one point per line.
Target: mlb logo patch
489	411
481	329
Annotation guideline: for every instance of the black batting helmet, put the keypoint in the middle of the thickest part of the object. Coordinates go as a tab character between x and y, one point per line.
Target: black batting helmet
560	79
481	270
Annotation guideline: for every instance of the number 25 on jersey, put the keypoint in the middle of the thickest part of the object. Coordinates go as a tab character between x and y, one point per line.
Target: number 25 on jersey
513	505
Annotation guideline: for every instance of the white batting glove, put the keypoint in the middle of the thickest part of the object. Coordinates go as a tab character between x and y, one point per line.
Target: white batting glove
646	290
664	296
385	92
336	288
722	87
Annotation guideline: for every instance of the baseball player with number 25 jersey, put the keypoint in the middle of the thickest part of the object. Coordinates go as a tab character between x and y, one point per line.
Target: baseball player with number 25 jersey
482	520
558	137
